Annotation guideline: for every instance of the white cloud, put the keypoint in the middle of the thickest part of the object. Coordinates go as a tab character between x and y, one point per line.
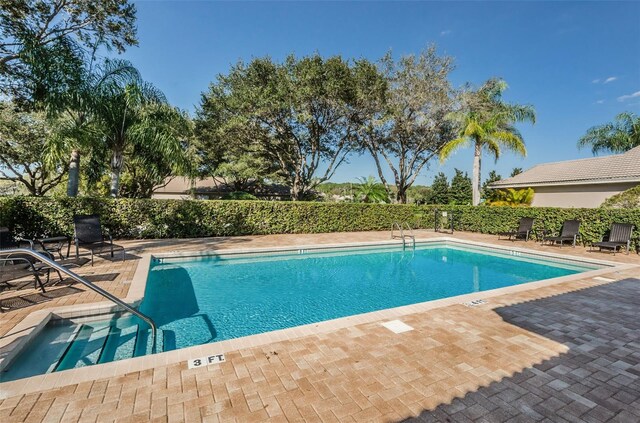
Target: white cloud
595	81
599	101
629	96
610	79
445	32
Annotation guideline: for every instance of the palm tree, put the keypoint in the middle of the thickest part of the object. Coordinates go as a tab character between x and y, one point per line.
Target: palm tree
79	128
136	119
487	123
617	137
371	191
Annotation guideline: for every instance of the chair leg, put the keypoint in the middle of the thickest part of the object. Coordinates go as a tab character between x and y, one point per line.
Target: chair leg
59	277
124	254
38	282
91	258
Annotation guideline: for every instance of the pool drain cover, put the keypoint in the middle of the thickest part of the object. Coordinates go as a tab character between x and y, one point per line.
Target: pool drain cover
396	326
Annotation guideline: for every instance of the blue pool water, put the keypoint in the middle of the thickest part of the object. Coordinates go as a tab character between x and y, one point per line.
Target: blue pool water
214	299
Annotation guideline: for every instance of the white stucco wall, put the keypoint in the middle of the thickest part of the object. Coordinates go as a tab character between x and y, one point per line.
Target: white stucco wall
165	196
588	196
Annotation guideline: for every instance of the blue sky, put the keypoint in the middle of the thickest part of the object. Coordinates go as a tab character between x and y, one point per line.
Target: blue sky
577	63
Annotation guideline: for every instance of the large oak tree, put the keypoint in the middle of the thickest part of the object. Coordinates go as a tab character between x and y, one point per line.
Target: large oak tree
403	115
299	115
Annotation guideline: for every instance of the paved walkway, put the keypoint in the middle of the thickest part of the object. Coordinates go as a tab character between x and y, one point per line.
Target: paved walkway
567	351
597	380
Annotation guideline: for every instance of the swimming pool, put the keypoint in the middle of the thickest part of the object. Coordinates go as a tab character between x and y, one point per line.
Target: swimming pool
211	298
218	298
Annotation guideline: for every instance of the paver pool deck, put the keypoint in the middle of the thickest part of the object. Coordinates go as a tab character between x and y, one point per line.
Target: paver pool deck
566	352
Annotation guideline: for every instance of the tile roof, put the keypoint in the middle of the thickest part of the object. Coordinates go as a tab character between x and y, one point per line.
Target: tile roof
616	168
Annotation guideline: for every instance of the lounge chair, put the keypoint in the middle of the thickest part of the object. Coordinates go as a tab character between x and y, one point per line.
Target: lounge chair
619	236
18	266
569	232
524	230
89	235
15	266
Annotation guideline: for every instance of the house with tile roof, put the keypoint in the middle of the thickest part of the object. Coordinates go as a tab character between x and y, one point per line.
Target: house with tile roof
183	188
578	183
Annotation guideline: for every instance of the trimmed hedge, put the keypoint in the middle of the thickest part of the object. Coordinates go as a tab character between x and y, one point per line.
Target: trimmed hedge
148	218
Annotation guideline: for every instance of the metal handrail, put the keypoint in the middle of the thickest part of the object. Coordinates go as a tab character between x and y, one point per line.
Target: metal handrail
78	278
400	227
397	225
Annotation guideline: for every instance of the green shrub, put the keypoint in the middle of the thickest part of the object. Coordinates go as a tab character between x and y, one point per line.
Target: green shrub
624	200
150	218
512	197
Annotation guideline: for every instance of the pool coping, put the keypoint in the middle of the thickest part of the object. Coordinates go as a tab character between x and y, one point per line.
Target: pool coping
20	336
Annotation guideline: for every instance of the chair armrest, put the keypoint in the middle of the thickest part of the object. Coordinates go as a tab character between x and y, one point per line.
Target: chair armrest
26	241
44	250
8	258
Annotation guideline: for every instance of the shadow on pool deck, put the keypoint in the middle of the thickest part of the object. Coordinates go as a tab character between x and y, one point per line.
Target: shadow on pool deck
26	300
598	380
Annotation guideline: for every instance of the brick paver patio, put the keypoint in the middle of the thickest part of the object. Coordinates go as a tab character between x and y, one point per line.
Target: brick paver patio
597	380
567	351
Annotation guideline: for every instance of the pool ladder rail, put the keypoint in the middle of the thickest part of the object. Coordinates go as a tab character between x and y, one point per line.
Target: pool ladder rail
8	252
398	232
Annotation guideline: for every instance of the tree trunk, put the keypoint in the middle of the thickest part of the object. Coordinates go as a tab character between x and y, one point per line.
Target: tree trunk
116	169
476	173
74	174
296	189
296	194
401	195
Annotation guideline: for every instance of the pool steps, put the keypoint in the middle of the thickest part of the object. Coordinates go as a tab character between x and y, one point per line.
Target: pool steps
102	343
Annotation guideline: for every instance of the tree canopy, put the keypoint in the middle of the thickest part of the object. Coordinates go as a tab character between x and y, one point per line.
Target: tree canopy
618	136
43	42
297	115
460	192
440	190
404	121
486	122
489	194
23	140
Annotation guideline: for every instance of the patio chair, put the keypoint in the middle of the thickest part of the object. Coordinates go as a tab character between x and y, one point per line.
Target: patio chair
525	227
569	232
89	235
16	265
619	236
